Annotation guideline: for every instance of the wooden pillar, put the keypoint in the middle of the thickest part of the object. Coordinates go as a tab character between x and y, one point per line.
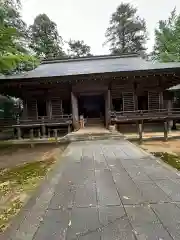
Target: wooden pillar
56	135
18	129
49	108
108	107
140	131
161	99
36	109
75	111
25	109
69	128
32	134
49	133
43	128
135	101
169	107
165	131
39	133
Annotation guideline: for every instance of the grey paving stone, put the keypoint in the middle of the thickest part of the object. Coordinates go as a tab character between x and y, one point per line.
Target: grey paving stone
115	232
151	232
139	215
91	236
171	188
128	190
63	197
83	221
100	165
54	225
85	195
174	231
120	172
137	173
127	163
168	213
152	193
74	173
147	162
106	189
120	153
133	152
112	214
159	173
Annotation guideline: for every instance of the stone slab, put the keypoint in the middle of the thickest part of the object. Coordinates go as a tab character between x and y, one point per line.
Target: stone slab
104	190
83	222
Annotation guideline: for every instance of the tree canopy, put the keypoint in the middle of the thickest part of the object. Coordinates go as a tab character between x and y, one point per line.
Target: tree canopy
127	31
44	38
78	49
167	39
14	55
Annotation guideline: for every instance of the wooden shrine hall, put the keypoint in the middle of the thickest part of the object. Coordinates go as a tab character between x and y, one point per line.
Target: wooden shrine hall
105	89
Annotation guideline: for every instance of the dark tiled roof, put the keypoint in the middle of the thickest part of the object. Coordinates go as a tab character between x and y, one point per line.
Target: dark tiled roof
175	88
97	64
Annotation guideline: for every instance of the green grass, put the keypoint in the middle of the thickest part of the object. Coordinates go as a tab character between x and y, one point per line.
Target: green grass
173	160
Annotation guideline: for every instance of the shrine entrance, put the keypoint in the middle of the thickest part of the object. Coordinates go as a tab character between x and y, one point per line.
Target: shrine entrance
92	106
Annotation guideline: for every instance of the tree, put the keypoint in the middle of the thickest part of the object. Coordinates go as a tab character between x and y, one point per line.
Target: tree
78	49
127	31
14	56
44	37
167	39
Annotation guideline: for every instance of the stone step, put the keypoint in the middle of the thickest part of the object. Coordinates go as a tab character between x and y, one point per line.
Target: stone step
88	137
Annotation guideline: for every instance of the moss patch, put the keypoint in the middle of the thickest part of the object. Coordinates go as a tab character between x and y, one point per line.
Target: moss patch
16	185
173	160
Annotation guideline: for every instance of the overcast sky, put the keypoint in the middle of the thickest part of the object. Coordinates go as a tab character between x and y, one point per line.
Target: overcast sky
88	20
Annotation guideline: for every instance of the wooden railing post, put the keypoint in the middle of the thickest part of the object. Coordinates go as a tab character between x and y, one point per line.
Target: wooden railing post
43	128
55	135
49	133
140	131
18	128
39	133
69	128
32	134
165	131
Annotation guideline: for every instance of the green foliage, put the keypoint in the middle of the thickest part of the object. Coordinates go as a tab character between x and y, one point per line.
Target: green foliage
44	38
78	49
17	63
127	31
167	39
14	55
171	159
10	107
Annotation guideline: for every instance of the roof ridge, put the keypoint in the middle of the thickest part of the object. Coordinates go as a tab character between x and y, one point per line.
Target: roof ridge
48	61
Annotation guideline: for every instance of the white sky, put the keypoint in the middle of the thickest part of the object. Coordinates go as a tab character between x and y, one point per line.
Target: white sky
88	20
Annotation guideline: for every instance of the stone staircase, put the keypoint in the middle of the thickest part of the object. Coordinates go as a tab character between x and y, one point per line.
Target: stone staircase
92	122
74	136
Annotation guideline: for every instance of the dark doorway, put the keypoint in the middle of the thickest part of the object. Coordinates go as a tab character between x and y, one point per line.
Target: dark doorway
66	106
117	104
41	108
92	106
143	102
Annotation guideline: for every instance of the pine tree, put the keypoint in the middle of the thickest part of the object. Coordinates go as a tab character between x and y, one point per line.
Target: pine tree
127	31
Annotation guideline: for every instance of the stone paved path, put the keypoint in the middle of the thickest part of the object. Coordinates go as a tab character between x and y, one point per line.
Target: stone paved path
107	190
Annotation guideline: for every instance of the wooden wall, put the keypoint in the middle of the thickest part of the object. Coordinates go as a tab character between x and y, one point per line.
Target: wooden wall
53	97
126	90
